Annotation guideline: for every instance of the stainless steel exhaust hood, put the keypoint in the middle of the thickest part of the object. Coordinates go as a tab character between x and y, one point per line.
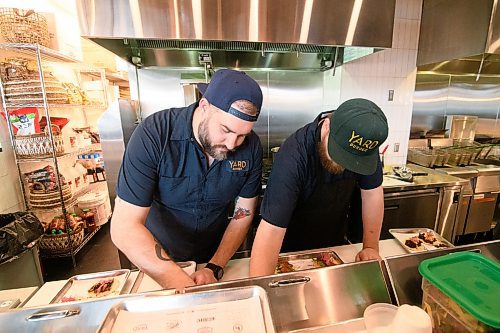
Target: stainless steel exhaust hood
460	37
247	34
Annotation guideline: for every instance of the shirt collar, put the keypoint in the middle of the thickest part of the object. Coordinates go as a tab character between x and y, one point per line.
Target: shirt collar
183	128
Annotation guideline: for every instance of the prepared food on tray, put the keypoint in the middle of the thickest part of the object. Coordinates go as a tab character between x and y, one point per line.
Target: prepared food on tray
417	240
306	261
103	287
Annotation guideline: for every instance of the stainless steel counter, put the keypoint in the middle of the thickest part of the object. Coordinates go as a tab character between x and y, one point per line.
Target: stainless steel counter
434	179
298	300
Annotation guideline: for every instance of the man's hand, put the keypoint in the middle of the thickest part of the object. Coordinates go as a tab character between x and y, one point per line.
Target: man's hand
367	254
181	280
203	276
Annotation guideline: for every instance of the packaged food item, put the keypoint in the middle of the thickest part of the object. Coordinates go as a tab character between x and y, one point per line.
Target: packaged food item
89	219
46	177
59	121
24	121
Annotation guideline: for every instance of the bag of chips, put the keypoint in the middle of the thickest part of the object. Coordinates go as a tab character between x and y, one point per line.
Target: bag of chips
24	121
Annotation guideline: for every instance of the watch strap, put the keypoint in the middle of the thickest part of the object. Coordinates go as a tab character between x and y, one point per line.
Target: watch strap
216	269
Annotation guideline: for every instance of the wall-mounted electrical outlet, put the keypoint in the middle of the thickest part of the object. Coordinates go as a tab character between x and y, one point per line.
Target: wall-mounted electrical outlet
390	97
396	147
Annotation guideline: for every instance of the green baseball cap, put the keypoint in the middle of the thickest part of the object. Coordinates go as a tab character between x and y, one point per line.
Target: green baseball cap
357	128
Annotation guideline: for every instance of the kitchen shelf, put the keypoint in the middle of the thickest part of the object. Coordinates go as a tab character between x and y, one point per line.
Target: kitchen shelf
87	150
76	250
56	106
96	186
18	67
45	53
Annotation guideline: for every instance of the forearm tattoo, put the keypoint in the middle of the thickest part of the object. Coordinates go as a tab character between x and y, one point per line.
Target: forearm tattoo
159	254
240	213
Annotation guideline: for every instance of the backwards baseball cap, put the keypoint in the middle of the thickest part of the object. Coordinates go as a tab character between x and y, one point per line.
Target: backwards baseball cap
357	128
228	86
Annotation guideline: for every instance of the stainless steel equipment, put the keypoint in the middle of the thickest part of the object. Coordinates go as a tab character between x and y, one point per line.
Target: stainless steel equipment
115	127
269	34
405	279
461	128
458	64
320	296
483	202
476	204
324	296
410	209
237	309
460	36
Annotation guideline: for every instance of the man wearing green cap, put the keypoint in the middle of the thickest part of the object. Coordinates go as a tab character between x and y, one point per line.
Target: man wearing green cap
306	202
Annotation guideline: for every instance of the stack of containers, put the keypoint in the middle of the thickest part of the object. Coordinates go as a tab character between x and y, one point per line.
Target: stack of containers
461	293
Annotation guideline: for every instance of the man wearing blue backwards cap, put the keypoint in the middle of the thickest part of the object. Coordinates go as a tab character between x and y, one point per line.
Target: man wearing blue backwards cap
314	175
182	170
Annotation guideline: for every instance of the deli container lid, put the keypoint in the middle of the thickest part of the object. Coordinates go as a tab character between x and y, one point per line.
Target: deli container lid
92	198
471	280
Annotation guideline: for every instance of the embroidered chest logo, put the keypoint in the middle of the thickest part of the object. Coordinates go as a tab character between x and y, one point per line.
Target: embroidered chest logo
238	165
359	143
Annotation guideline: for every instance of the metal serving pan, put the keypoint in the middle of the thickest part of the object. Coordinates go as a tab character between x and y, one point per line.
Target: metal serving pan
78	285
402	235
307	260
244	309
188	266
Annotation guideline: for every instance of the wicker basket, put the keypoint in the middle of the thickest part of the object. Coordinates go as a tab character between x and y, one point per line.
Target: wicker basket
58	244
44	199
23	26
39	145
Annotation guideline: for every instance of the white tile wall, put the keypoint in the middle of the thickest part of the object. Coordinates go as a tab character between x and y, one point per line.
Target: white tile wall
373	76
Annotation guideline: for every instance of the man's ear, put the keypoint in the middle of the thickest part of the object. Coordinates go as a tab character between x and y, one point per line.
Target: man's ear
203	103
327	123
326	126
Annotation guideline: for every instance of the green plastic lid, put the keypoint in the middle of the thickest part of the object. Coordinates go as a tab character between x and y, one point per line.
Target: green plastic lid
469	279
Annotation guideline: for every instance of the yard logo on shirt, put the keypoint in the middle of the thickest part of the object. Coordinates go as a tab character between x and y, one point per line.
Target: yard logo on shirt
359	143
238	165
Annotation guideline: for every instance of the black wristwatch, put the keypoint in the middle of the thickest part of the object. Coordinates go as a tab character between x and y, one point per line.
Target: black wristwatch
216	269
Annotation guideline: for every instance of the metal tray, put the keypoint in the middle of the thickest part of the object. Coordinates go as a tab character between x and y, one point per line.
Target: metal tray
188	266
307	260
244	309
78	285
402	235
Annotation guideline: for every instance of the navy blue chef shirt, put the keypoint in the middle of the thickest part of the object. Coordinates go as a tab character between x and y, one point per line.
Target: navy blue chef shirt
296	170
164	167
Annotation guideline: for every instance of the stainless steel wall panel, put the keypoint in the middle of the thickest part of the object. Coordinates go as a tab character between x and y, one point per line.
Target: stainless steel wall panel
159	89
437	96
475	98
429	102
291	99
261	127
115	127
295	99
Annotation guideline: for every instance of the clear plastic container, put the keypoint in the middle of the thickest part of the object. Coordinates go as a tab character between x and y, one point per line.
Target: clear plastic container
461	293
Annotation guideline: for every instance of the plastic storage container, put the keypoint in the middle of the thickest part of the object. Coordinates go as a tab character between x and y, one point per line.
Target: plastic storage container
98	204
461	292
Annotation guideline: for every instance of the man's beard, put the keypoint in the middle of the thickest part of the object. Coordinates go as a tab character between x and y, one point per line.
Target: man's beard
218	152
327	163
